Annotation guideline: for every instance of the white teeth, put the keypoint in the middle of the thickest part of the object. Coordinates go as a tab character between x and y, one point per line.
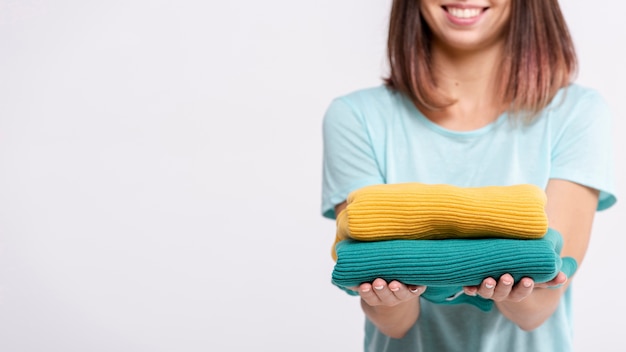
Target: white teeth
463	13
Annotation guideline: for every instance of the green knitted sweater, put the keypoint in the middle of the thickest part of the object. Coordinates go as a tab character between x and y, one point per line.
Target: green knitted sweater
446	265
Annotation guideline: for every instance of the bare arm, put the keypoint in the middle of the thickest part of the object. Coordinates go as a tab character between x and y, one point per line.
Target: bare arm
393	307
570	209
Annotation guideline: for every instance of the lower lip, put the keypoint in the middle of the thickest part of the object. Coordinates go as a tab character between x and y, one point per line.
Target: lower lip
464	21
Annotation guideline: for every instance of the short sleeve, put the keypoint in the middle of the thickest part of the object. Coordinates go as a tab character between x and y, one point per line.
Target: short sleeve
349	159
583	150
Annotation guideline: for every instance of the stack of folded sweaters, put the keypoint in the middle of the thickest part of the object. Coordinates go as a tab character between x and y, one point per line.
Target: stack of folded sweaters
446	237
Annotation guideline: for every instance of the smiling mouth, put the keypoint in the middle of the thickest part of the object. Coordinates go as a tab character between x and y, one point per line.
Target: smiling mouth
464	12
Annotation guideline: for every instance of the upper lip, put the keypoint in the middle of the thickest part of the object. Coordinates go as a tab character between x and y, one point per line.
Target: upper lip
464	6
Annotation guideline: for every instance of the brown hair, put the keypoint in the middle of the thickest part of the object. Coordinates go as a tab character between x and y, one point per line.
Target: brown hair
539	56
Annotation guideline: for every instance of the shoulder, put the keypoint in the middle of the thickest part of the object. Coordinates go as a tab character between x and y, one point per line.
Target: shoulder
576	97
576	105
581	135
367	107
576	90
371	98
376	92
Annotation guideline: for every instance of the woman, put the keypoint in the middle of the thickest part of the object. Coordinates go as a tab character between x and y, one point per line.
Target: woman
479	93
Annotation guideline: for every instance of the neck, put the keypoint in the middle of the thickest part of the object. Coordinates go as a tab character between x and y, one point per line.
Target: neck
471	80
467	74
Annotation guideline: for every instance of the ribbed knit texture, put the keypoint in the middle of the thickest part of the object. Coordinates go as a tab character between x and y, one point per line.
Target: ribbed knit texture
426	211
445	266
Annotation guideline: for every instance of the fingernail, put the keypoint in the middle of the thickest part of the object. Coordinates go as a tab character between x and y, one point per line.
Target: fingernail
490	286
365	290
469	292
414	289
379	287
394	289
507	282
526	284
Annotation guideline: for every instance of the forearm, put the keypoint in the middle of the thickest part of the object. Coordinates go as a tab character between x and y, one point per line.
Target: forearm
394	321
534	310
570	209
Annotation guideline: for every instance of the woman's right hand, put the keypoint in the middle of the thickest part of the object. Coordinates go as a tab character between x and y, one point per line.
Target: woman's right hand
393	307
381	293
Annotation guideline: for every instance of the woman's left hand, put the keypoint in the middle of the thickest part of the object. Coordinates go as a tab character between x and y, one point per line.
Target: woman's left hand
504	289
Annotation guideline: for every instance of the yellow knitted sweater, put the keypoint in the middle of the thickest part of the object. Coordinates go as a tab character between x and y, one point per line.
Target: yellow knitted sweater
427	211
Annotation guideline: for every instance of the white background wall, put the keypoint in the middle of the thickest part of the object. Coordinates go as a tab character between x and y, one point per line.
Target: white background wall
160	172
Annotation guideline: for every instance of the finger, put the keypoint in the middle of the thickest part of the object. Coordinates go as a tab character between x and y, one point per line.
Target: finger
503	288
522	290
399	290
558	280
406	292
487	288
367	294
384	293
471	290
417	290
395	286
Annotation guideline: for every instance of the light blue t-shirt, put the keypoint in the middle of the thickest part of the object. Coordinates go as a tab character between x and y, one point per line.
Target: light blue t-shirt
377	136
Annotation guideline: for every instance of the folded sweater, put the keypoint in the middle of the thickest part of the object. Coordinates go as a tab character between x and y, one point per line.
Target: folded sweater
445	266
427	211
